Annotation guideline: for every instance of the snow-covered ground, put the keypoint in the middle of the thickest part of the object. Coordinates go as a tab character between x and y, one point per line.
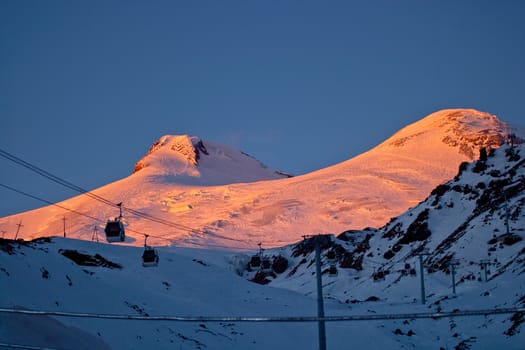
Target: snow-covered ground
378	273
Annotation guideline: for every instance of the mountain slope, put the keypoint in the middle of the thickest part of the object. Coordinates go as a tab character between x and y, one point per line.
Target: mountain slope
463	221
187	160
186	283
364	191
472	226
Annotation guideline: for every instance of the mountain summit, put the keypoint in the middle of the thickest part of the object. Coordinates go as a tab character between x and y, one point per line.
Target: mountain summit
188	160
467	130
208	191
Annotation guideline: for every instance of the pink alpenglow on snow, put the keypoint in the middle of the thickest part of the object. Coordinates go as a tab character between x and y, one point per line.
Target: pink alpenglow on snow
218	196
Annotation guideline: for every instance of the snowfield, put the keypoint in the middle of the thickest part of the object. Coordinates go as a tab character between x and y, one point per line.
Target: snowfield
214	195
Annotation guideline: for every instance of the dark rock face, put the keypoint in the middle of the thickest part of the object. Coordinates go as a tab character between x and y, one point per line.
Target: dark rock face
438	192
469	142
308	245
141	165
189	151
279	264
394	231
418	230
10	245
88	260
185	147
7	245
200	148
261	277
354	259
138	166
477	197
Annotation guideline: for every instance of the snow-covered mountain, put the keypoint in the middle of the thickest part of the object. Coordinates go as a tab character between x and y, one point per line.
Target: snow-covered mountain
185	160
206	190
470	228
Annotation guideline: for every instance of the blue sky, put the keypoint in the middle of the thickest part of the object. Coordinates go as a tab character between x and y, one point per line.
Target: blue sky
87	86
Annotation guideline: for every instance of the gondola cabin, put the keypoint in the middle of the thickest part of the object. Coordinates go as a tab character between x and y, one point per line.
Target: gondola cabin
255	262
150	257
332	271
266	264
115	231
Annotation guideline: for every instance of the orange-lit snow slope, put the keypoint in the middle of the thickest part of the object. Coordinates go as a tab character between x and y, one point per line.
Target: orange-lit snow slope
216	196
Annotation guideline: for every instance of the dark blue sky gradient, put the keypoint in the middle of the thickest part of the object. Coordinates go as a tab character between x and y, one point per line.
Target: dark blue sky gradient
87	86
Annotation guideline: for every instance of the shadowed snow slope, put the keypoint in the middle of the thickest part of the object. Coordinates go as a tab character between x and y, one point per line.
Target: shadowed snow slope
207	191
463	226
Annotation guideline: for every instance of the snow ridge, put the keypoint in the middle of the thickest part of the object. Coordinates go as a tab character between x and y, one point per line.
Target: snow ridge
188	160
468	130
186	147
224	197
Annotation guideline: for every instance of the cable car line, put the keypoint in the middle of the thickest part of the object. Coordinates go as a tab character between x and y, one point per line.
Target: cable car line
282	319
74	211
81	190
76	188
53	177
49	202
171	240
161	221
21	346
270	319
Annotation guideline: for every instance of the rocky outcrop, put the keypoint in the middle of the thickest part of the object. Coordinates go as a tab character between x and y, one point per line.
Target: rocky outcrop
189	148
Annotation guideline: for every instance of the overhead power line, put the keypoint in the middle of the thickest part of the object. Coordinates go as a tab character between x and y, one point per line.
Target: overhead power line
20	346
53	177
102	221
49	202
92	195
99	198
65	208
433	315
285	319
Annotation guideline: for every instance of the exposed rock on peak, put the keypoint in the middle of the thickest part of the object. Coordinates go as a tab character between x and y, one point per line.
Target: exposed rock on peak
190	160
189	148
468	130
223	192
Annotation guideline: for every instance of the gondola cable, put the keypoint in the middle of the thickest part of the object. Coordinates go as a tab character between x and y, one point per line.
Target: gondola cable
81	190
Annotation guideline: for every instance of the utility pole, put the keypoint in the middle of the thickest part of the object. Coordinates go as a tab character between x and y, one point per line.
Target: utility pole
422	271
512	137
453	263
64	220
320	303
484	266
506	211
18	229
119	205
95	234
